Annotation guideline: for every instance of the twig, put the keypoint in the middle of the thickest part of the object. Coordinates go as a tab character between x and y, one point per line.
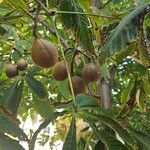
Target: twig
45	24
54	12
35	32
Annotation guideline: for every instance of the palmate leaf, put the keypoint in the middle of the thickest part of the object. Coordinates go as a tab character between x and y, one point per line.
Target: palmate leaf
78	23
36	87
110	141
6	143
12	97
93	118
70	141
125	32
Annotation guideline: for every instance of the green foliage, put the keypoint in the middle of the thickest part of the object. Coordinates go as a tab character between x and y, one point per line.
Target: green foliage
86	32
11	97
36	86
7	143
78	23
125	32
70	142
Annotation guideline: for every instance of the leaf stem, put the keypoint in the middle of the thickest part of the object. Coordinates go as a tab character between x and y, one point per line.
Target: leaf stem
63	56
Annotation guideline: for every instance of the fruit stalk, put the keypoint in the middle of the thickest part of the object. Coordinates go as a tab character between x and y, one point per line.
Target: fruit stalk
63	56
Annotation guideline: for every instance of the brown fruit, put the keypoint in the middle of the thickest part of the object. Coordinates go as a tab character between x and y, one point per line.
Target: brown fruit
21	64
90	72
11	71
60	71
78	85
44	53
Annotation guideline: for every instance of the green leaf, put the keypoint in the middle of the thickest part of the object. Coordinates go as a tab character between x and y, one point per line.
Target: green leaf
143	140
6	143
36	87
70	141
105	71
141	98
125	95
9	127
111	142
63	89
84	101
99	145
78	23
125	32
10	31
65	5
143	52
44	108
18	5
93	118
12	96
42	126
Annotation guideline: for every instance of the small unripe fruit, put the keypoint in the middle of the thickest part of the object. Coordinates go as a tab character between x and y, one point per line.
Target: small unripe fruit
21	64
78	85
60	71
44	53
90	72
11	71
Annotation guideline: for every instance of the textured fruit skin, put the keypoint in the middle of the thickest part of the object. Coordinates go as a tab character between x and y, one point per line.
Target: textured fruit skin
44	53
11	71
78	85
90	72
60	71
22	64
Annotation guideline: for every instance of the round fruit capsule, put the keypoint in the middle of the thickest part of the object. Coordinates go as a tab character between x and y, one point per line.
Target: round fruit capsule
22	64
90	72
44	53
60	71
78	85
11	71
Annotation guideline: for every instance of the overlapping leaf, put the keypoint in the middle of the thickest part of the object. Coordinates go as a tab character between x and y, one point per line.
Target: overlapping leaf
125	32
78	23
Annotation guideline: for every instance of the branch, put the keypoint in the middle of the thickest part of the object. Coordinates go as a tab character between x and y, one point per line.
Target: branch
42	126
54	12
45	24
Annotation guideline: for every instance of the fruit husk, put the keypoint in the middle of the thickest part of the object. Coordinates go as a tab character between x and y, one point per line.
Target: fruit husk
78	85
90	72
44	53
22	64
11	71
60	71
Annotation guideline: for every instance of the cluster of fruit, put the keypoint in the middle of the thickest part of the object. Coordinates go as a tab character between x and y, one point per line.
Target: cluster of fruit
45	55
12	70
